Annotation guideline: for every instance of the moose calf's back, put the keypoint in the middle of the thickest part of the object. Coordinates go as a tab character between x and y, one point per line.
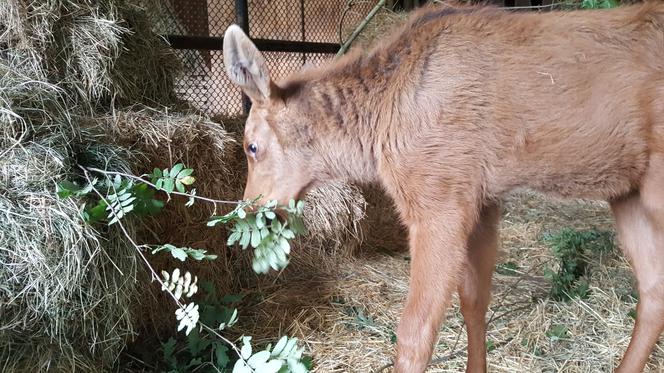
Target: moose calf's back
567	103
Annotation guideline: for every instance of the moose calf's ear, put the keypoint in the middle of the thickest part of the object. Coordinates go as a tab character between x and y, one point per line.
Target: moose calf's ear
245	65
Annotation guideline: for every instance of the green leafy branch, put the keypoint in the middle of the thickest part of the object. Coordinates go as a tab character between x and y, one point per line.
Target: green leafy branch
122	196
169	182
262	230
118	195
572	248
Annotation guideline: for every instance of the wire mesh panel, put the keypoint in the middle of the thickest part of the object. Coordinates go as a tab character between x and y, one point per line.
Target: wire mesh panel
204	82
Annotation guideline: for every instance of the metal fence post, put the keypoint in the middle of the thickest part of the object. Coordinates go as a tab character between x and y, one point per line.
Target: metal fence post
242	19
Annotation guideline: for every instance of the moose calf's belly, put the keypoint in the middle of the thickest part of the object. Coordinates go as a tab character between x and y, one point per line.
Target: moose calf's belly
601	166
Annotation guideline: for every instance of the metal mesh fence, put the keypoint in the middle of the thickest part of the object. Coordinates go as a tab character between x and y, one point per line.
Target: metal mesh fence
204	82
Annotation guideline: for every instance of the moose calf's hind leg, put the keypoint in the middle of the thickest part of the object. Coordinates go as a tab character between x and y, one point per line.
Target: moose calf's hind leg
640	222
475	289
437	257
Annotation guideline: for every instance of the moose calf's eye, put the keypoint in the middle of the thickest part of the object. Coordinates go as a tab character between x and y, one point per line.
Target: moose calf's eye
252	148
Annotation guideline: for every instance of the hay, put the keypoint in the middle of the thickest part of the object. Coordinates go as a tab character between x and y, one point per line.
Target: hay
63	295
377	29
333	216
66	288
78	86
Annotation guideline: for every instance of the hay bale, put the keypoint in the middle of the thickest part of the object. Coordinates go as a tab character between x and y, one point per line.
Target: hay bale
66	287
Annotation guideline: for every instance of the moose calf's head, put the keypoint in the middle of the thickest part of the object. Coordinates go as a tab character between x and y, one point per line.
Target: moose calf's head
279	154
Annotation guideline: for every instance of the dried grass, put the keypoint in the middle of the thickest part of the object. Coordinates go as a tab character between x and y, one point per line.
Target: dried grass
66	288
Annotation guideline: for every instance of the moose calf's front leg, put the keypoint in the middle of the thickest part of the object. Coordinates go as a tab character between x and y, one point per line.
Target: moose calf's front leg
437	255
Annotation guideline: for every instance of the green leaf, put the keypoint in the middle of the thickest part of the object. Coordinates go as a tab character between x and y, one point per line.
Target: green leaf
123	195
187	180
258	358
179	253
232	239
191	200
184	173
255	238
195	343
309	362
242	226
195	362
241	367
285	246
611	3
241	213
279	346
179	186
169	185
557	332
271	204
66	189
245	351
260	220
296	366
271	366
281	256
288	234
276	225
244	241
632	313
221	355
176	170
97	213
292	343
168	350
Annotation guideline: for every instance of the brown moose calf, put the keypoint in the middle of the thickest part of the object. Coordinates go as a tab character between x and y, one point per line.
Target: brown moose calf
458	107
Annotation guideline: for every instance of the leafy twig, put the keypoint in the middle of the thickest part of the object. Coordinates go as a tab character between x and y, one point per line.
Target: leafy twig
215	202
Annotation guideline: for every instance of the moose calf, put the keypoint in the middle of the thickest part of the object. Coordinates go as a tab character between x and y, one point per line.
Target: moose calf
458	107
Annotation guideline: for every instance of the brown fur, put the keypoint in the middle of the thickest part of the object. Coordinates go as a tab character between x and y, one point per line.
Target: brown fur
460	106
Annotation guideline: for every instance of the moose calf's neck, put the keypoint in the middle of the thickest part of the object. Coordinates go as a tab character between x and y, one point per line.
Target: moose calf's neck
340	103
